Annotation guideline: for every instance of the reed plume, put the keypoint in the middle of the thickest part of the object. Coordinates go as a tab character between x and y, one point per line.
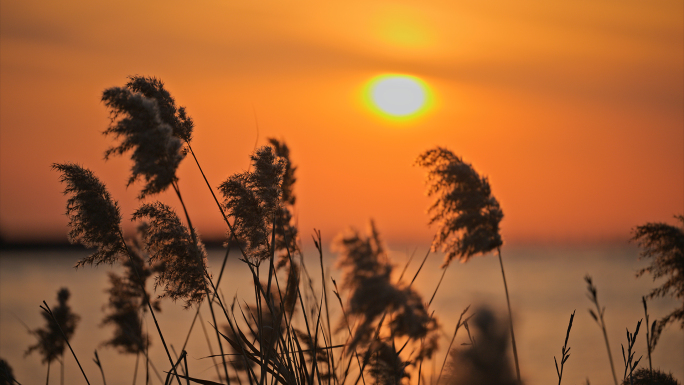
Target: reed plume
145	119
467	214
485	362
51	342
287	234
368	276
6	374
664	245
94	217
253	199
645	376
170	243
128	302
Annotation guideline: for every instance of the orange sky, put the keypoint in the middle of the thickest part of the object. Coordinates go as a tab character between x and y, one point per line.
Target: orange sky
574	109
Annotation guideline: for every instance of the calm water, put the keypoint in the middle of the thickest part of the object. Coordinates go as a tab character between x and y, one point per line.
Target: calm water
546	284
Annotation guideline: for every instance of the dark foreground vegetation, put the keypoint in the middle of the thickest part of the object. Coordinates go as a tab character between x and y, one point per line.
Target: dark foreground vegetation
284	334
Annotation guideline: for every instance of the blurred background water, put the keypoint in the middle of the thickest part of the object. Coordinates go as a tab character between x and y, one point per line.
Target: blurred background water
546	284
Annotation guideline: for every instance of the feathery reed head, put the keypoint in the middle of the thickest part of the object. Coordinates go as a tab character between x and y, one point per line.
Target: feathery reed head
645	376
286	231
664	244
486	361
467	213
6	374
184	258
253	199
385	363
127	302
373	293
51	343
94	217
145	119
176	117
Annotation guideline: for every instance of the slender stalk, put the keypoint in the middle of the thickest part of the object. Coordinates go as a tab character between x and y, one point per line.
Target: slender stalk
648	336
218	338
147	300
211	351
135	369
47	310
510	316
458	326
598	317
99	365
565	351
349	329
47	379
319	245
438	285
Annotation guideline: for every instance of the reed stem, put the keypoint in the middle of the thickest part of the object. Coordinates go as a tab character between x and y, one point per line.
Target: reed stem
510	316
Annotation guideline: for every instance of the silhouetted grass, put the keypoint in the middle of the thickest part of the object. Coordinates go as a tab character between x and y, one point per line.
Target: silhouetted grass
283	333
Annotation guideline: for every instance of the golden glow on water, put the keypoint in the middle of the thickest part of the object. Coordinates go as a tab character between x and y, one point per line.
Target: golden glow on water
398	97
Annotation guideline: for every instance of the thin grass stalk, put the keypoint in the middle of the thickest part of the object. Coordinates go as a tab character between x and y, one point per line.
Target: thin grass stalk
197	313
173	369
269	301
187	372
232	327
565	351
314	364
648	335
61	371
147	364
458	326
185	210
346	322
230	227
175	354
194	237
47	310
419	268
420	367
99	365
211	351
135	368
218	338
223	214
599	319
308	331
210	302
47	379
284	315
368	353
147	300
319	245
444	270
510	316
403	271
302	359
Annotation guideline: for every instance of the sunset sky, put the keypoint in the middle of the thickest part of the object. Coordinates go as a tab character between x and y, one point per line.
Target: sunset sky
573	109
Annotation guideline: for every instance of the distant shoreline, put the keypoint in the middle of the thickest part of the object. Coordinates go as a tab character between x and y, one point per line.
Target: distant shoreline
64	245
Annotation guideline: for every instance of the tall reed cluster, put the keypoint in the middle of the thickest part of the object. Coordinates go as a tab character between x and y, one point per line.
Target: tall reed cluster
386	333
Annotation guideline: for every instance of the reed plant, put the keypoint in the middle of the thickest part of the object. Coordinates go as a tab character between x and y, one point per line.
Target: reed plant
283	333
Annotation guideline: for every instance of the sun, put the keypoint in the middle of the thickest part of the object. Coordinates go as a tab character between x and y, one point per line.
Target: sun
397	97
